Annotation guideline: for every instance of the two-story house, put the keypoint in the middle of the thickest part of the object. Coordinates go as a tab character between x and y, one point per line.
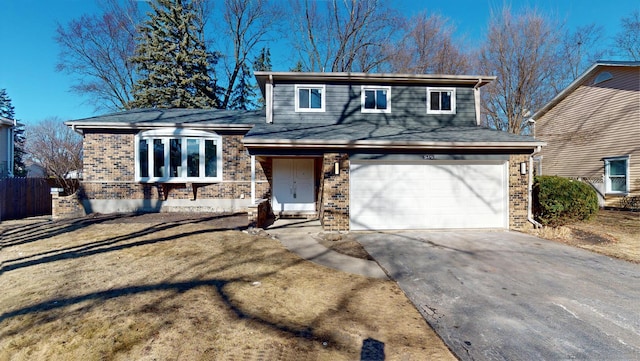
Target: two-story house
6	147
359	151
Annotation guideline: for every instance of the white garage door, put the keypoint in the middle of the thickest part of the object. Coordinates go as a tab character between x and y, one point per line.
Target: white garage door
428	195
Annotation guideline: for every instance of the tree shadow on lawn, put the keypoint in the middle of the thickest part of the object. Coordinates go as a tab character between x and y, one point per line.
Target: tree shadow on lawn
101	246
22	234
46	310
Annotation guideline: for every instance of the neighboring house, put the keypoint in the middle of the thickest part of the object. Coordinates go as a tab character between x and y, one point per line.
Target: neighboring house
359	151
592	129
6	147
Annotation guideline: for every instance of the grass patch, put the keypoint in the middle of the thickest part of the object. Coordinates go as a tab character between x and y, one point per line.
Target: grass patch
190	288
611	232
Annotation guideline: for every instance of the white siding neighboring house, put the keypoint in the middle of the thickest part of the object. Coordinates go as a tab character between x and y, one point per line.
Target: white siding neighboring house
592	131
6	147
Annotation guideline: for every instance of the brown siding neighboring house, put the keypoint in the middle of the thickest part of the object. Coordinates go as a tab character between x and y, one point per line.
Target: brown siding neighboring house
592	131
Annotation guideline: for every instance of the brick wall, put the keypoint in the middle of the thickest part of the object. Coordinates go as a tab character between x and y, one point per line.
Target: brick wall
334	207
518	193
108	157
64	207
109	173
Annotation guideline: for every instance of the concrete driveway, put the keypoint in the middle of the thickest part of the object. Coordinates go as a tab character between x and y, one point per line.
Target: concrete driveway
505	295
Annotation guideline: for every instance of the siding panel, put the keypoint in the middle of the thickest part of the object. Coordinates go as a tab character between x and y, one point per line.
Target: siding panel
408	106
593	122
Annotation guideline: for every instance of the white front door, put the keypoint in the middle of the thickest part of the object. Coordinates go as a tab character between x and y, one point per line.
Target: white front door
293	185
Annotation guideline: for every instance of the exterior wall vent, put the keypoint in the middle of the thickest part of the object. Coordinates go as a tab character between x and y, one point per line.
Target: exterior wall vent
604	76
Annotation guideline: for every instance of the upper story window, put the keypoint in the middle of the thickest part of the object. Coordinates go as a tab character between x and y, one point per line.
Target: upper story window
616	175
178	155
376	99
441	100
310	98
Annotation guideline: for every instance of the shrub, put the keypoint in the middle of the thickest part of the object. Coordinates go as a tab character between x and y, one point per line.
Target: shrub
558	201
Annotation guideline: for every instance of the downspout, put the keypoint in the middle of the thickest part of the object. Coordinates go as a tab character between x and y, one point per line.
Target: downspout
530	200
253	179
476	93
269	100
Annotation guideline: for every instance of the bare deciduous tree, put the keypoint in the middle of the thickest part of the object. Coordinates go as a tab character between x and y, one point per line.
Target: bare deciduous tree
97	49
247	23
579	50
57	149
347	35
627	41
427	47
522	51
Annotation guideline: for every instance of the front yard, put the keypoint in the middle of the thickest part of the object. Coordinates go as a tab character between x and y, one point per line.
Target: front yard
610	232
147	288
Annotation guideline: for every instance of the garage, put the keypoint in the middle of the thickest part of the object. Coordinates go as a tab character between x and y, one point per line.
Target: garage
428	194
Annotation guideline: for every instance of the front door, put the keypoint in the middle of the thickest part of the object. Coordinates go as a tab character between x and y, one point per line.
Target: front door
293	186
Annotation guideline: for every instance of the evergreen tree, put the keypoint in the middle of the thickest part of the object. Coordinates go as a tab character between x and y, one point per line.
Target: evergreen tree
262	62
8	111
298	68
171	59
244	93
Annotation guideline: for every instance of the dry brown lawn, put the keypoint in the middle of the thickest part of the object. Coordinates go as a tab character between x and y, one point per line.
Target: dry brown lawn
185	288
610	232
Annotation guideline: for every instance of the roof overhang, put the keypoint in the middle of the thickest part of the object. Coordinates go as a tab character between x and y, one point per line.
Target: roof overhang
579	81
380	144
80	126
7	121
383	78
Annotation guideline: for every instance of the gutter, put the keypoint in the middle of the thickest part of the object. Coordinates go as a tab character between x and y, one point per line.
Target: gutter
535	223
77	126
350	144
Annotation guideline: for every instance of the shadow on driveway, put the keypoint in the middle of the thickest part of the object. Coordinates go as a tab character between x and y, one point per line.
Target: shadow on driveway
506	295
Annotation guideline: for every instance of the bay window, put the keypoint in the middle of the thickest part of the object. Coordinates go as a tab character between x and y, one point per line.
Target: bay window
178	155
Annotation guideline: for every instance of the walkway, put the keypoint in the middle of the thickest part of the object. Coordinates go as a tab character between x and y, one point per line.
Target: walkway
299	236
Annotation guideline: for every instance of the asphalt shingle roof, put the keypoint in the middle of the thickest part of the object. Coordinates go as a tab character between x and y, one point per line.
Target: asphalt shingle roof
354	132
176	116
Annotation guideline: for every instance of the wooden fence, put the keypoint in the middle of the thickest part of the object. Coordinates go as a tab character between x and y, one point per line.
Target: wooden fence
24	197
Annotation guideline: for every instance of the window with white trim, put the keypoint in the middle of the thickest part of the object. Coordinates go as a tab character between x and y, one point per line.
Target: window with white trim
441	100
376	99
310	98
178	155
616	175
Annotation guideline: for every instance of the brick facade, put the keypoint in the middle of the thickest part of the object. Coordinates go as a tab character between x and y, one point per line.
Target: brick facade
518	193
109	173
109	165
334	190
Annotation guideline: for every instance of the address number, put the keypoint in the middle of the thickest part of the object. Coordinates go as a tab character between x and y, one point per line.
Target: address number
428	157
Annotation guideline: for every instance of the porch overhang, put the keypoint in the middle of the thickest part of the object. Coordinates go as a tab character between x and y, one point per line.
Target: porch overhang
308	138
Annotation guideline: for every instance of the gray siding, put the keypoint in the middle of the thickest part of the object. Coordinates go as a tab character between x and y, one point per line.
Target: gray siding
408	106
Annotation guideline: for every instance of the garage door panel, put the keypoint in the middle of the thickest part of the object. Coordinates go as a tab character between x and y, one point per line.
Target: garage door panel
427	195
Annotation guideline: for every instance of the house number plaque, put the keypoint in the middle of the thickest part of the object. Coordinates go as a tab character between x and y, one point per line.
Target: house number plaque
429	157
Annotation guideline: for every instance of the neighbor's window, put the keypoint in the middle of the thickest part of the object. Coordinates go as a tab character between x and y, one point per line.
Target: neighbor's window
178	155
441	101
616	175
310	98
376	99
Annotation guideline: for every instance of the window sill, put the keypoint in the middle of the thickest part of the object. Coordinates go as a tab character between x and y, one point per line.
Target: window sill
180	180
616	194
435	112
